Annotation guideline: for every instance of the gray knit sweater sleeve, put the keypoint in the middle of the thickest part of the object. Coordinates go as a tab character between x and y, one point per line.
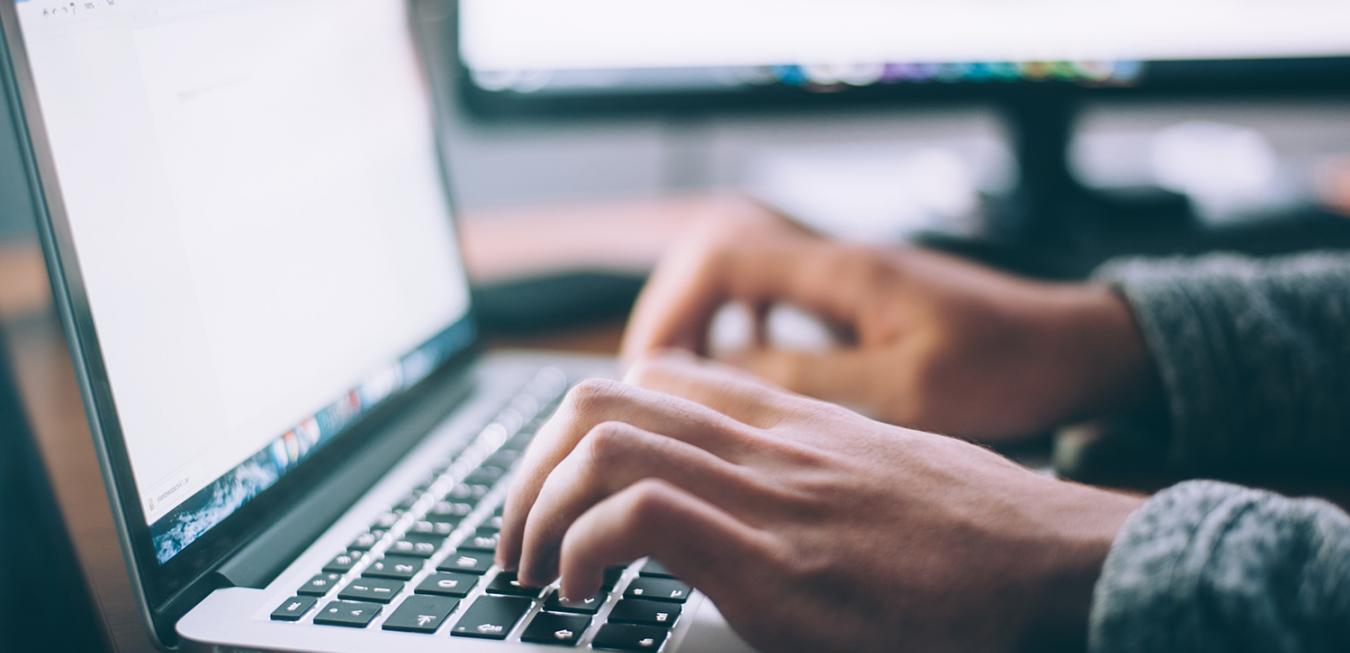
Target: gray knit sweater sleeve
1254	360
1206	566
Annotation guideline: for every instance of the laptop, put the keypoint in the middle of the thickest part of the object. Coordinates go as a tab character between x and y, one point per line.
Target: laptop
245	213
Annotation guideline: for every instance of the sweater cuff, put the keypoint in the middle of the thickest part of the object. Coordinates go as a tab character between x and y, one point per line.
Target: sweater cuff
1150	580
1211	566
1179	330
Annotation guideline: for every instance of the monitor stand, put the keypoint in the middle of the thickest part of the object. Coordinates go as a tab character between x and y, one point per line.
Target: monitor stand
1051	225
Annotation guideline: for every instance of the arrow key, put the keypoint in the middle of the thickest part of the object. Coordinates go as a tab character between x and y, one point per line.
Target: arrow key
622	637
421	614
588	605
347	613
645	613
556	629
657	589
379	590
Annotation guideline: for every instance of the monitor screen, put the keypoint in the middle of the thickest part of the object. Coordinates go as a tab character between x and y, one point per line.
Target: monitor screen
544	47
259	214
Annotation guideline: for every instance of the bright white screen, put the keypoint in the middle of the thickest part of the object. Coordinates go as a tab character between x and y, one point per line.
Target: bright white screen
620	34
257	208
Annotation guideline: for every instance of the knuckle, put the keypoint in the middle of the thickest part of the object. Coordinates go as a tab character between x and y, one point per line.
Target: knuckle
608	443
649	501
590	395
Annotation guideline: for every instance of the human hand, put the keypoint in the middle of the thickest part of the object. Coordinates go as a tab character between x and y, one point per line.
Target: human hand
811	527
933	342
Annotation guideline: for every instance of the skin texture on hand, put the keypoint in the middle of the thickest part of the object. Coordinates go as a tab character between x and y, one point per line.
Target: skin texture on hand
933	342
811	527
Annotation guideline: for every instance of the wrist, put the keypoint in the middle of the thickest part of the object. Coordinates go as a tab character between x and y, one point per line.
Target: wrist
1101	348
1087	521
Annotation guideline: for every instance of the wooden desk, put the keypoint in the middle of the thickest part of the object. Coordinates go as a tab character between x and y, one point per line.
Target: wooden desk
624	235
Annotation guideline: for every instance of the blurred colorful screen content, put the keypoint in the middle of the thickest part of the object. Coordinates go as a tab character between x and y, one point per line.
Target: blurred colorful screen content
542	46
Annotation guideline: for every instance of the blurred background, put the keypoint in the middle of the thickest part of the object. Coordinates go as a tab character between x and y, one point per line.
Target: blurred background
508	165
579	142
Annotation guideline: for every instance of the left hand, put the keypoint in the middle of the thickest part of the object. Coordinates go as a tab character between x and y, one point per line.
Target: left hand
811	527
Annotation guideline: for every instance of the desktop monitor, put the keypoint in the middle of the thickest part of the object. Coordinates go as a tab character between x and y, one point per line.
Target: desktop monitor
1032	59
523	55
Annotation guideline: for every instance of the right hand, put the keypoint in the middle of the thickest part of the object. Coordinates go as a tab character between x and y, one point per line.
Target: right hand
811	527
934	342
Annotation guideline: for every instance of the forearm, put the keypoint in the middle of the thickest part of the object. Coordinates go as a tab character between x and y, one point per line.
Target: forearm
1252	357
1206	566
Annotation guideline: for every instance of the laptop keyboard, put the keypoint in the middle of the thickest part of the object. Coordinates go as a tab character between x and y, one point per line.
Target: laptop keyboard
425	566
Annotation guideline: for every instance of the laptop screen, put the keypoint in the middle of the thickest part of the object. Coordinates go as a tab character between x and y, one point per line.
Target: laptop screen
259	214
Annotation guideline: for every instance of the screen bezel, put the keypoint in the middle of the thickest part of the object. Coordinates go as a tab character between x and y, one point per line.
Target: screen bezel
1160	80
159	587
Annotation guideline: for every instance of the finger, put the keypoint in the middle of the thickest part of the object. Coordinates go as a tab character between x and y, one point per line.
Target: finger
610	458
700	543
842	376
728	390
594	402
675	308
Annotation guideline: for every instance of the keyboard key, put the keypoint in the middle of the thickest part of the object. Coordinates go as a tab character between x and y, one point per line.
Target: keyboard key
385	522
494	521
395	567
364	542
556	629
484	540
658	589
485	475
491	617
341	564
447	584
346	613
293	608
472	491
406	503
505	583
379	590
319	585
421	614
612	576
623	637
654	569
428	528
449	511
466	562
414	548
503	459
589	605
645	613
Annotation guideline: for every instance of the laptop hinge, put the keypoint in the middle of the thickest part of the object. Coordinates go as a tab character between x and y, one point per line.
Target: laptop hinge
261	560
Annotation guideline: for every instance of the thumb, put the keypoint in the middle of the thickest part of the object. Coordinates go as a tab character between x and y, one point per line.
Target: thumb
845	376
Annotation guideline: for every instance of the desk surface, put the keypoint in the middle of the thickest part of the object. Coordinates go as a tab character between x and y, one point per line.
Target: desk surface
624	235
